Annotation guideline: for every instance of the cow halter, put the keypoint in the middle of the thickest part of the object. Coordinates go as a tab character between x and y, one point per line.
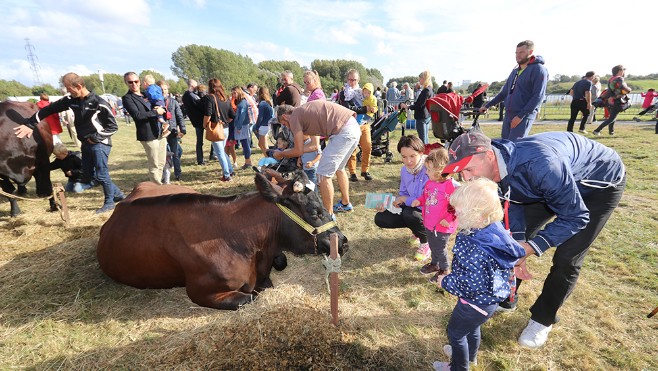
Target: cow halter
313	231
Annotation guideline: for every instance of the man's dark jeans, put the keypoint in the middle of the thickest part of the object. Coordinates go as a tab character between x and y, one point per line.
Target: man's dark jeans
200	137
569	256
94	160
578	105
613	113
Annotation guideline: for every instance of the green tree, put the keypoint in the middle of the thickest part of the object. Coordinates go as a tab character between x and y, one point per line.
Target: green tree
13	88
45	88
204	62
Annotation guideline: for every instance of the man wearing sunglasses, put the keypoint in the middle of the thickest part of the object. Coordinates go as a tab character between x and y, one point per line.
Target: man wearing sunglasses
146	125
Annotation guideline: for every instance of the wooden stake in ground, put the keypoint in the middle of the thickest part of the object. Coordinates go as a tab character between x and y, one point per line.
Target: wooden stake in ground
62	198
333	280
653	313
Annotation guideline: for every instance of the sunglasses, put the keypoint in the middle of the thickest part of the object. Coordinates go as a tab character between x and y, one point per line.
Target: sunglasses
132	82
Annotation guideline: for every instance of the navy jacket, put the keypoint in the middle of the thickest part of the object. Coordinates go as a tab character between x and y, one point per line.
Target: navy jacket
482	263
146	120
558	169
524	97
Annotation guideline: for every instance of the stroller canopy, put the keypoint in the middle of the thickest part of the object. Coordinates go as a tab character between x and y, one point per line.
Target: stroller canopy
447	102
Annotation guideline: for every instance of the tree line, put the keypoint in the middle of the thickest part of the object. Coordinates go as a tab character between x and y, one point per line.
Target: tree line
202	63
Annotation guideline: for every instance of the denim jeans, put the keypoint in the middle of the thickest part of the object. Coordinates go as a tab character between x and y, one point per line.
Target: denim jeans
76	187
200	136
423	128
464	332
218	149
521	130
96	156
312	177
172	141
439	247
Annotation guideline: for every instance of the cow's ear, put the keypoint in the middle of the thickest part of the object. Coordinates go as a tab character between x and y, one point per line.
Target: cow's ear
268	189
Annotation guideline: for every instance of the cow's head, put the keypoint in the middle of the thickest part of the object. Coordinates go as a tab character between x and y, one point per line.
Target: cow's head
297	194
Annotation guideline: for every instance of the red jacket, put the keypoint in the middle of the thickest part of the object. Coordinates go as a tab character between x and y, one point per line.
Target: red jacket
52	120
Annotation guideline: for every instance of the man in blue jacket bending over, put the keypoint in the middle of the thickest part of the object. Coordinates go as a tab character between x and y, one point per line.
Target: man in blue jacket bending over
523	92
575	179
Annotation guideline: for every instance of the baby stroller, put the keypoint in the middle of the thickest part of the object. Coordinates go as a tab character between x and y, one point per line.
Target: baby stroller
379	133
447	110
285	166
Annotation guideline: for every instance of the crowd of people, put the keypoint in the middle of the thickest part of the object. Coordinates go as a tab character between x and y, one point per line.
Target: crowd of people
560	188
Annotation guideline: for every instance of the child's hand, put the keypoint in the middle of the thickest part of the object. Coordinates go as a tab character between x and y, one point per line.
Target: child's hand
439	279
299	161
309	164
415	203
444	223
380	207
399	200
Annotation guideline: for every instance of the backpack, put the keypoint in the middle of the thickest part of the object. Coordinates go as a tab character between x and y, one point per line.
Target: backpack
602	100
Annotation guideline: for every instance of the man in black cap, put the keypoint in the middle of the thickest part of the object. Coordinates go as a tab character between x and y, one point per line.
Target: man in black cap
582	101
565	176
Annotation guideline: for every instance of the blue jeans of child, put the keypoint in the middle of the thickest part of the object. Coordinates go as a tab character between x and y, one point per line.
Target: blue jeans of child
464	332
94	159
312	176
439	247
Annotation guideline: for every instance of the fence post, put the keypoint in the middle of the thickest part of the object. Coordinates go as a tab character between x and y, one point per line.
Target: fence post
333	280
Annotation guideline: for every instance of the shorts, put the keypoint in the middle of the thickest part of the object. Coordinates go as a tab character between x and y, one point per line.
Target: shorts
339	149
263	130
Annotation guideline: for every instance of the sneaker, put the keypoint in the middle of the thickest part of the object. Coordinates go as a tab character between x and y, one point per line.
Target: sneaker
429	268
447	350
423	252
435	278
596	133
636	119
353	178
441	366
105	208
612	133
245	167
333	217
507	306
582	131
119	198
366	175
340	208
226	179
534	335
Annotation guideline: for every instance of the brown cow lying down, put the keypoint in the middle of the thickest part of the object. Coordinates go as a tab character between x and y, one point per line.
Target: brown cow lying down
221	249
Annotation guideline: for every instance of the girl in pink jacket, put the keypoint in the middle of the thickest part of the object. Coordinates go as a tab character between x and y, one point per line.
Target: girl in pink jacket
438	216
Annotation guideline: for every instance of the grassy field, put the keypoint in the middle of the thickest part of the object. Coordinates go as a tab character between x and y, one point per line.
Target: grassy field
59	311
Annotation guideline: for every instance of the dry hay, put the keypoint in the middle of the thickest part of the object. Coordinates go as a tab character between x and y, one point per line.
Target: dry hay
286	329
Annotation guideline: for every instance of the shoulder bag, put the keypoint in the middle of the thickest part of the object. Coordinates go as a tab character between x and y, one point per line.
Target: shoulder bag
215	130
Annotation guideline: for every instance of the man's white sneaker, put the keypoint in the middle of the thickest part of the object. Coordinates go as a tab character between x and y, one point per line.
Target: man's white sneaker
534	335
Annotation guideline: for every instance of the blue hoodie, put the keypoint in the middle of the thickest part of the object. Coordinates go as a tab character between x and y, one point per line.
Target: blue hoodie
482	264
528	92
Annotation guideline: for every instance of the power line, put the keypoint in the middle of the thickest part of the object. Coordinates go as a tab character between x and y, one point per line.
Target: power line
34	62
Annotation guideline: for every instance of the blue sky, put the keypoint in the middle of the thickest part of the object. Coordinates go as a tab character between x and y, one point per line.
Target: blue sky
455	40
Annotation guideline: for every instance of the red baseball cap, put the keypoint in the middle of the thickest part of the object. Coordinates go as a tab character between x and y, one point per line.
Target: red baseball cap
463	148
